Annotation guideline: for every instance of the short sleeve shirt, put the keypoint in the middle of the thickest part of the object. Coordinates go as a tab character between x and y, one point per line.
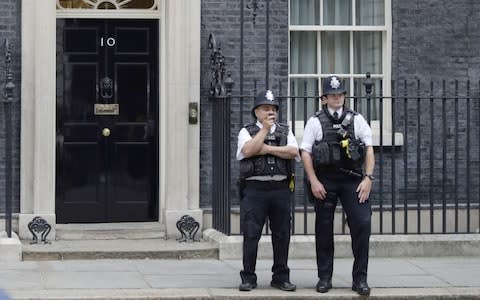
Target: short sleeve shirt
244	136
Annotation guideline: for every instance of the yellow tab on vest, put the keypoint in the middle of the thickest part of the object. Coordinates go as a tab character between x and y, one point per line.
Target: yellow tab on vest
291	184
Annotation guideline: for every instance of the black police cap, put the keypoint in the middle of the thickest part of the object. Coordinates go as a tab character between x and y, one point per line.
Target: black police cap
333	85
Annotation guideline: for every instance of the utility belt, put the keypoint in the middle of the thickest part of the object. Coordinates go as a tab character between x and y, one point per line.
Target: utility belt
253	169
332	173
338	173
266	185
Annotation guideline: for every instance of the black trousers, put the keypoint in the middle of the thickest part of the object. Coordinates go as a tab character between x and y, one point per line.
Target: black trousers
358	219
259	202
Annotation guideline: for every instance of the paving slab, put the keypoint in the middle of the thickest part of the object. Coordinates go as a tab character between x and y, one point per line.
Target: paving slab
227	294
142	279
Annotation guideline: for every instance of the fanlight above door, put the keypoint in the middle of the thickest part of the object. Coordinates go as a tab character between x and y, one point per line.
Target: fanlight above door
107	4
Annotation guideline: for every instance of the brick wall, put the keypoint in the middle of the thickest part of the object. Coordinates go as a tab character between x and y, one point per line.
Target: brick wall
436	43
222	18
10	29
432	41
435	40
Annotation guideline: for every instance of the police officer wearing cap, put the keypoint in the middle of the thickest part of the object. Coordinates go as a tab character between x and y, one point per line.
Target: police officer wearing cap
338	159
265	151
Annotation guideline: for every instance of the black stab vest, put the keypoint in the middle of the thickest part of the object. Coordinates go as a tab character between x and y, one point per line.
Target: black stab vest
267	165
330	126
328	154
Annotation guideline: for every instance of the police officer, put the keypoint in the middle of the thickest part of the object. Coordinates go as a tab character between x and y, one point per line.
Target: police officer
337	144
265	151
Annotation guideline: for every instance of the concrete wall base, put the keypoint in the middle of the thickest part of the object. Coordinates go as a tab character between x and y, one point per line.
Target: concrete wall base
11	248
303	246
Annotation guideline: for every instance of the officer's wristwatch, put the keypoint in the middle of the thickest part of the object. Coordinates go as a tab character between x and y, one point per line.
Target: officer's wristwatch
370	176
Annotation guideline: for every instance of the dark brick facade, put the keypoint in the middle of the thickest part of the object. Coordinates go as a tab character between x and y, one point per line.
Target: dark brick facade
222	18
10	29
435	44
432	40
436	40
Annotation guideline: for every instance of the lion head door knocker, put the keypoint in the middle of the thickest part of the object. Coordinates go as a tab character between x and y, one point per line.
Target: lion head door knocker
188	227
39	225
106	88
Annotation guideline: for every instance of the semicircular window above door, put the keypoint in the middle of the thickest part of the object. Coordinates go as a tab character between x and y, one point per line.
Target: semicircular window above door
107	4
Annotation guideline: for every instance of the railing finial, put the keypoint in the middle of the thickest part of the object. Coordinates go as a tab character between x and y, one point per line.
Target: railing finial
368	83
219	85
9	85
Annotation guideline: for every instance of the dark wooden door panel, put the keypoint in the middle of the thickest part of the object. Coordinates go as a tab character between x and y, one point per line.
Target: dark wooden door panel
107	164
131	181
133	95
80	85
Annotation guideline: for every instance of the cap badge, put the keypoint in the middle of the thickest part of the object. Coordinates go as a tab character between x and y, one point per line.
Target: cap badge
334	83
269	95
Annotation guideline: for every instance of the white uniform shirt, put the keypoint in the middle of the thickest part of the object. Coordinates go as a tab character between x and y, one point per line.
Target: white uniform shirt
313	131
244	136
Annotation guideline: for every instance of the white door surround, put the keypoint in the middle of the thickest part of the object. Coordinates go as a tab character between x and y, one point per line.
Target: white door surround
179	84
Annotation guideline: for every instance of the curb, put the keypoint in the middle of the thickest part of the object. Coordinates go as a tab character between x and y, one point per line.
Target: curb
265	294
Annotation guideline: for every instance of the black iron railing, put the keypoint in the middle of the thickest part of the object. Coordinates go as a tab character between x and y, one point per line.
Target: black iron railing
220	93
426	141
7	101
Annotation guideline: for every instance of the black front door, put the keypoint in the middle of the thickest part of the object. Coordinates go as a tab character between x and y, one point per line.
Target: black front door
107	100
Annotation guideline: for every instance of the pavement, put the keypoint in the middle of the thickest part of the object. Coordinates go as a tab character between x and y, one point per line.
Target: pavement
137	262
451	277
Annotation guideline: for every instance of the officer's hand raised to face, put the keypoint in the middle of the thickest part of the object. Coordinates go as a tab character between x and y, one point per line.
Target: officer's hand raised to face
269	120
266	114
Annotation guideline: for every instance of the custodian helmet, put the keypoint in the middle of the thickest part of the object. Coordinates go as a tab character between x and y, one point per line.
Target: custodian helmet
264	97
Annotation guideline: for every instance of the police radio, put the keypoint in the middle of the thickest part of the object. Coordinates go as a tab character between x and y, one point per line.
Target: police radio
354	149
346	121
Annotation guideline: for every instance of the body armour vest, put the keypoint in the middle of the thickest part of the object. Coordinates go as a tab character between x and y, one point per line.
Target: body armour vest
265	165
338	147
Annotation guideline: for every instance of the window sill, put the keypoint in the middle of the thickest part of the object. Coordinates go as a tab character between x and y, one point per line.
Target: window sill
375	125
387	138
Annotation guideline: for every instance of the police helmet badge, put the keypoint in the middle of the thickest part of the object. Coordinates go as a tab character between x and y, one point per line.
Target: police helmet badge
269	95
264	97
334	83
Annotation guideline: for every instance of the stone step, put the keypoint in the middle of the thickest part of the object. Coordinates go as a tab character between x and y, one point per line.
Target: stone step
118	249
115	241
110	231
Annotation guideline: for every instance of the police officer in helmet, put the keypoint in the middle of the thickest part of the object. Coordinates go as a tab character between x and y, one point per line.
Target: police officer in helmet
265	151
338	158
